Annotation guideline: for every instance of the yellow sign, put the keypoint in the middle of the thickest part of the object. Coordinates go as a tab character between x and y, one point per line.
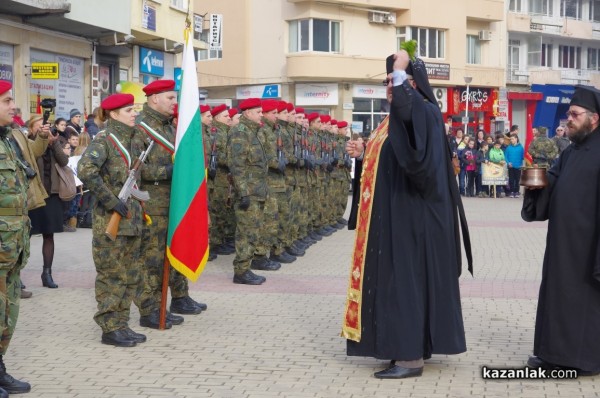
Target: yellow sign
44	70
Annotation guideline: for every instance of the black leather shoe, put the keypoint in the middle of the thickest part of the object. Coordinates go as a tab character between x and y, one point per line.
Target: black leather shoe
294	251
119	338
284	258
152	321
263	264
10	385
315	236
174	319
137	337
398	372
249	278
537	362
185	305
211	256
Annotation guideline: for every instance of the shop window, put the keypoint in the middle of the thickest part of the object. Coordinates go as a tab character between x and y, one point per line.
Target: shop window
540	7
592	59
180	4
207	55
594	10
431	42
571	8
569	57
314	34
370	113
473	50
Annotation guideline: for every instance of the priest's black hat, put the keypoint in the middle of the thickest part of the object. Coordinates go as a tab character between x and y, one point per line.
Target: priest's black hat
587	97
416	69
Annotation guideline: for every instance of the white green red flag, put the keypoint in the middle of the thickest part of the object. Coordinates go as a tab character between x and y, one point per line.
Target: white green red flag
187	238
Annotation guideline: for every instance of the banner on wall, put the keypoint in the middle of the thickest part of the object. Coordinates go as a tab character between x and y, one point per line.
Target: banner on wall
68	89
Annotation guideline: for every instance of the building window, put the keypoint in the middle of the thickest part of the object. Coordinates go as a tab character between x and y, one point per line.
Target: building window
207	55
473	50
547	55
431	42
595	10
569	57
593	62
570	8
179	4
540	7
370	113
315	35
515	6
401	36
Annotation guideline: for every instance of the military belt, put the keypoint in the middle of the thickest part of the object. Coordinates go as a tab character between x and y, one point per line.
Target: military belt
11	211
165	182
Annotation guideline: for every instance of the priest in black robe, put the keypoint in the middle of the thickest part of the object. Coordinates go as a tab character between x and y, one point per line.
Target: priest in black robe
567	325
403	299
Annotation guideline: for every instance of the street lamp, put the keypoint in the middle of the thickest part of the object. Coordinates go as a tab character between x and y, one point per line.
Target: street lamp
468	80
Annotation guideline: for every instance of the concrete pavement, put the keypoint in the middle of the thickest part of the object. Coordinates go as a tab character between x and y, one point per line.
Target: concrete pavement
281	339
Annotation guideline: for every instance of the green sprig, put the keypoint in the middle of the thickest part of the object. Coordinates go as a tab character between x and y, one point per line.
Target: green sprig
410	47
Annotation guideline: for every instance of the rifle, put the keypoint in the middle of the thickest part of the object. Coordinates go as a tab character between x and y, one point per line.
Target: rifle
128	190
297	152
212	164
281	160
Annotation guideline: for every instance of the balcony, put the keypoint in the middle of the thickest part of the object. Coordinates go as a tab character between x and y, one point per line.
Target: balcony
563	76
370	4
485	10
517	76
326	66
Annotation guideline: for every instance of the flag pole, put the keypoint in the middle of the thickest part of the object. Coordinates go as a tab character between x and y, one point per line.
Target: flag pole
162	319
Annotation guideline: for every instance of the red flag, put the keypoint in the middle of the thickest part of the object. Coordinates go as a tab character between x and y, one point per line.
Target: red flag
528	139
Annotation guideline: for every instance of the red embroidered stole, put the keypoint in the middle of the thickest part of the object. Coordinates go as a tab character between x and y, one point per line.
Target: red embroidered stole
351	328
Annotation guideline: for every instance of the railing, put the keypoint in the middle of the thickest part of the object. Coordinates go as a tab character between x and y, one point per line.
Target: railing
517	76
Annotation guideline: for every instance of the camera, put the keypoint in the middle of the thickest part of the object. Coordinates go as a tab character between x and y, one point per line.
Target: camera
48	104
27	169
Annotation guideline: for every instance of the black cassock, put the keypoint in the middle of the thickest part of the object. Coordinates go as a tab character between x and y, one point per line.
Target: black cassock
567	326
411	301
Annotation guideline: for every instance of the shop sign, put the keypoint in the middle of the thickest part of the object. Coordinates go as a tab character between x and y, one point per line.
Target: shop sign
437	71
368	91
261	91
152	62
317	94
480	99
44	70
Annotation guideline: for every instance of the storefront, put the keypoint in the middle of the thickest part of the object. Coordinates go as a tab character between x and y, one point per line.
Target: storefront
317	97
552	105
370	107
482	108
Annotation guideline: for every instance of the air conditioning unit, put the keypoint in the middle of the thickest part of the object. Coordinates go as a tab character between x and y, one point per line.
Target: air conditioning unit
485	35
390	18
377	17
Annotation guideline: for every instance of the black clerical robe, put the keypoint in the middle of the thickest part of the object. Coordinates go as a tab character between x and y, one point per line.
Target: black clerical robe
410	296
567	326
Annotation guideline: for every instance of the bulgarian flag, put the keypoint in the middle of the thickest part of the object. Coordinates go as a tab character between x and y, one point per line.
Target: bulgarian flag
187	237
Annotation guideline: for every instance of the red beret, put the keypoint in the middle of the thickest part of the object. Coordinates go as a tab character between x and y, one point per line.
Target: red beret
282	106
218	109
269	105
117	101
159	86
299	110
333	122
250	103
5	85
325	118
290	107
232	112
312	116
341	124
204	108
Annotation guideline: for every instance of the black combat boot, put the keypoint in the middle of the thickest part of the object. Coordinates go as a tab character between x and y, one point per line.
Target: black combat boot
9	384
118	338
174	319
186	305
284	257
47	278
315	236
152	321
137	337
295	251
263	264
249	278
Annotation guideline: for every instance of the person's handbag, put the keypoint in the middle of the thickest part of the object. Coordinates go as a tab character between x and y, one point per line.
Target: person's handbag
66	183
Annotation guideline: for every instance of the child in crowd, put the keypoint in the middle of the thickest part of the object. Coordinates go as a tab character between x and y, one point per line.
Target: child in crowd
496	156
482	158
469	159
514	158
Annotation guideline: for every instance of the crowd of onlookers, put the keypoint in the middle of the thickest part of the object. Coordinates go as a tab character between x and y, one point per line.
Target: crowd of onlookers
66	143
472	153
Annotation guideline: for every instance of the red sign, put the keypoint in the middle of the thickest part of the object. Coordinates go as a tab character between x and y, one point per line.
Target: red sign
480	99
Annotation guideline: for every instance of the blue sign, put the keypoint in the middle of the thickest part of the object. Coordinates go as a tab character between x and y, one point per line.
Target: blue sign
152	62
177	75
271	91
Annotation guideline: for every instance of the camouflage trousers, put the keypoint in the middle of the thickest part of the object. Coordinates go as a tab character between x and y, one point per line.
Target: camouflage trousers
269	231
118	278
14	254
342	199
295	213
153	246
221	217
249	224
281	236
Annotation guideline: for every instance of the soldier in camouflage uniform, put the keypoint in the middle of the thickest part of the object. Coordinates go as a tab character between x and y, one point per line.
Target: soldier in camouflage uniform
206	119
323	174
337	175
156	179
14	236
104	168
314	162
220	191
271	137
247	161
542	149
345	168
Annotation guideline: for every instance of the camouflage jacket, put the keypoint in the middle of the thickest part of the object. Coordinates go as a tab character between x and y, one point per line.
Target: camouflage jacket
13	188
103	171
247	160
543	151
158	168
287	135
271	133
300	173
220	134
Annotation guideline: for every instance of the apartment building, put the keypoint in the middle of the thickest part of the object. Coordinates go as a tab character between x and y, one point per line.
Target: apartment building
328	55
92	48
552	46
